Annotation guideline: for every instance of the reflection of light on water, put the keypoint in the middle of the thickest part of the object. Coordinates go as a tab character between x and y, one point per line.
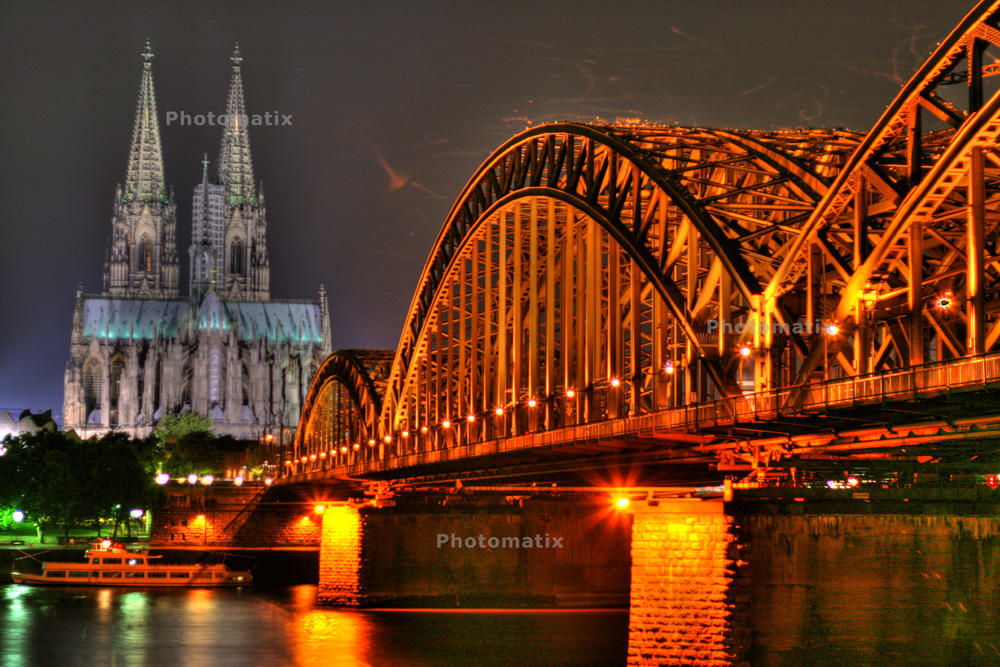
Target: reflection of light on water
14	627
319	634
132	629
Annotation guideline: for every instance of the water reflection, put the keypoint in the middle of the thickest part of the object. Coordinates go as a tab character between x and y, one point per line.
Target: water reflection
106	626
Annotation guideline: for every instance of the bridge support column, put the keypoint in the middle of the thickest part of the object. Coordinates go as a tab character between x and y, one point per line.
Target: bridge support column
682	607
340	564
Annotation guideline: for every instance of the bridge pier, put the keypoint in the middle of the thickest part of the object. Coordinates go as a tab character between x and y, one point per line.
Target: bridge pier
684	603
490	553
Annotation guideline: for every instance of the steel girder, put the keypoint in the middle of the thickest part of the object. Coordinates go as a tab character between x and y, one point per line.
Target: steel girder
906	238
687	226
578	255
341	410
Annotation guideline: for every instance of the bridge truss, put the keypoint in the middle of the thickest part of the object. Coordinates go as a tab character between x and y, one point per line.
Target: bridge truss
595	273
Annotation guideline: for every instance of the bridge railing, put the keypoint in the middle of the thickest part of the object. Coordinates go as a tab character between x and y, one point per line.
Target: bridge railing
919	381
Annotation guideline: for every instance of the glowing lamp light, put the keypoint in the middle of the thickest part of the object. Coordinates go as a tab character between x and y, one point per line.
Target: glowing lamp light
162	478
832	330
319	509
371	442
312	457
207	480
423	429
343	449
288	463
18	516
446	424
944	303
137	513
532	402
356	446
304	459
200	517
615	382
387	439
570	393
322	455
268	481
470	418
105	544
405	434
268	438
499	412
745	351
669	367
238	481
192	478
852	481
622	503
991	481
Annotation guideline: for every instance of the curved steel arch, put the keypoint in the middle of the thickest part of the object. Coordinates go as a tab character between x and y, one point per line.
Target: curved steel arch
887	226
346	369
626	172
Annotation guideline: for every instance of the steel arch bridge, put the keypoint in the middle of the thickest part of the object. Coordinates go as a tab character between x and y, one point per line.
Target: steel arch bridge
637	283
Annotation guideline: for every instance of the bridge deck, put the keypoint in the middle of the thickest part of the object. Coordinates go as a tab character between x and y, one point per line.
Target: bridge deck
681	429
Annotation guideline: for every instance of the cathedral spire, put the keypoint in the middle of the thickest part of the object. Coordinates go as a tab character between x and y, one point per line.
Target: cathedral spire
144	179
235	165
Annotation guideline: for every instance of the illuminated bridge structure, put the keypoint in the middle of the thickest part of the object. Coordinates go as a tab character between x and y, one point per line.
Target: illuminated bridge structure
699	300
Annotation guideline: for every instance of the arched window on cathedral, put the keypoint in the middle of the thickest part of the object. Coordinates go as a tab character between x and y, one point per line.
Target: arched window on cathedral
117	366
92	385
236	256
145	255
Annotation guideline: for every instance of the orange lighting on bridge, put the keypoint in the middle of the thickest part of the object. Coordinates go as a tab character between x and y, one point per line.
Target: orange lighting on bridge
622	503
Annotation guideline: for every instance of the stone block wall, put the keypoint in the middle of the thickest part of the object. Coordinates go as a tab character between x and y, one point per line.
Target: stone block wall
567	554
684	609
340	565
229	516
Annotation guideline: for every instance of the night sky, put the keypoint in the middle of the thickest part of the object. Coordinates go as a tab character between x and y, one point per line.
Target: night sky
393	106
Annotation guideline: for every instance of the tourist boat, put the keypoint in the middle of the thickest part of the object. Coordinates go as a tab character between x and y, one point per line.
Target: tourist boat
110	564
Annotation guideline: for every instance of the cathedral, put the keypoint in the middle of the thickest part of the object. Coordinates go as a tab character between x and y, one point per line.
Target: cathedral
140	351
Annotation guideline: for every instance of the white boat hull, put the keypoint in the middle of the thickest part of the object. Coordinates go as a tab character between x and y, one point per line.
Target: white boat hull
113	565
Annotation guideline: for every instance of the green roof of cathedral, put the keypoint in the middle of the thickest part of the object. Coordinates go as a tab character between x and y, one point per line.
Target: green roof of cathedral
144	319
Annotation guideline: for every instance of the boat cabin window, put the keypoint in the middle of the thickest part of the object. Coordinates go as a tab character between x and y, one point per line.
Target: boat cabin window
111	575
55	573
78	574
180	575
156	575
112	561
135	574
136	561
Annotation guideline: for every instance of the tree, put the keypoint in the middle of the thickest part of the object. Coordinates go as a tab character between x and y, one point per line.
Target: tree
57	479
181	425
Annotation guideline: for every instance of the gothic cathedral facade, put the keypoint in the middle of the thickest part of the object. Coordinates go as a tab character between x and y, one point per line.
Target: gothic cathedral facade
140	351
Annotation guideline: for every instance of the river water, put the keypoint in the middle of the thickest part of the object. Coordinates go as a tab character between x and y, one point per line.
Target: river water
41	626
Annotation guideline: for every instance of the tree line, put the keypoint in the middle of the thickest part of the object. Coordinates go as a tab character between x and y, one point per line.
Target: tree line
59	480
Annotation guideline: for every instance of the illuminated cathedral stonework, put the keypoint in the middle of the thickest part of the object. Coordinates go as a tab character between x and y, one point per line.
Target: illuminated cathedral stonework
139	351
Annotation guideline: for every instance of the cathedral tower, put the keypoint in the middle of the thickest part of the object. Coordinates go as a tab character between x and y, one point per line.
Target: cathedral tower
142	254
243	270
140	352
